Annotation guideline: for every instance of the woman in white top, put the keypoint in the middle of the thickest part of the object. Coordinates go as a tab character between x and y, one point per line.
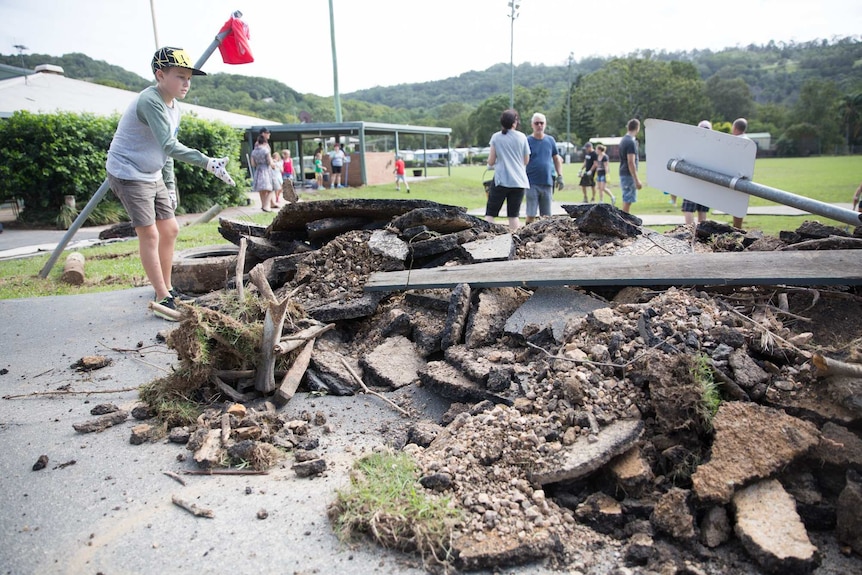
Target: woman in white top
509	156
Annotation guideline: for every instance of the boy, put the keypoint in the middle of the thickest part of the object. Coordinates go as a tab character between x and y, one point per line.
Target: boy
140	167
399	175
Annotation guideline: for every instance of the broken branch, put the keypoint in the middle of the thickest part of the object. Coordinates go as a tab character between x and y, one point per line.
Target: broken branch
175	477
240	267
192	508
296	340
68	392
828	366
172	313
374	393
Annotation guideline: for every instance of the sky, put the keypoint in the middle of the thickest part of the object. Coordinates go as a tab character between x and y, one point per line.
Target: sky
390	42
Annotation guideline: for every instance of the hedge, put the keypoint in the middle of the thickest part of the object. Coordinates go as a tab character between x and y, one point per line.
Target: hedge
45	157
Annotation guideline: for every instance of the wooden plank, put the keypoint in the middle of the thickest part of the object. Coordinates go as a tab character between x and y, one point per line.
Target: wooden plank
836	267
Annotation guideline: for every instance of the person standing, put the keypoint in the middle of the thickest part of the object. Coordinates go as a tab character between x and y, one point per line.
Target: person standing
509	156
140	167
261	161
857	199
400	175
740	125
544	170
277	179
629	180
588	171
689	207
337	160
287	165
602	170
318	168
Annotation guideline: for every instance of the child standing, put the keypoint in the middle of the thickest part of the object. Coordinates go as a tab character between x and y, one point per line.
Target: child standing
140	167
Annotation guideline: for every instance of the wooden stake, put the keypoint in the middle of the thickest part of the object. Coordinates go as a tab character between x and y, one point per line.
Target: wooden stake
240	268
273	322
293	376
165	310
828	366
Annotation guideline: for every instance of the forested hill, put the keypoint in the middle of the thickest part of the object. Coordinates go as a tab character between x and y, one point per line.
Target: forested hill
775	72
811	92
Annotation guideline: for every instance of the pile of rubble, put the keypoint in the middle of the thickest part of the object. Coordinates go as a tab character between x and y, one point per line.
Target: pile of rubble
693	430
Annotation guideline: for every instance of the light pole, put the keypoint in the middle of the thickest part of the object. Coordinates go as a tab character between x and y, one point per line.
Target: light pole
21	48
569	107
513	14
337	95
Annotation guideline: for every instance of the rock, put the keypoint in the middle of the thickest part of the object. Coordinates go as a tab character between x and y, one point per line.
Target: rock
639	550
746	372
141	412
442	378
632	473
495	549
103	408
456	316
422	433
550	308
488	318
102	422
673	516
838	446
736	460
141	434
309	468
771	531
715	527
329	364
604	219
179	435
549	247
601	512
389	245
584	456
849	521
436	481
41	463
492	249
394	363
344	309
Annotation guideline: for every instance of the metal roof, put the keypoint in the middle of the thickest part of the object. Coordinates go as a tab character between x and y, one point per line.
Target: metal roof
282	132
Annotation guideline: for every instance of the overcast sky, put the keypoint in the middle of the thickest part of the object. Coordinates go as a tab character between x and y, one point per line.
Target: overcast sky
389	42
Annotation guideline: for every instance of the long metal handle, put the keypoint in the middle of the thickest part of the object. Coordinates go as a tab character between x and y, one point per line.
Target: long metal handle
746	186
103	189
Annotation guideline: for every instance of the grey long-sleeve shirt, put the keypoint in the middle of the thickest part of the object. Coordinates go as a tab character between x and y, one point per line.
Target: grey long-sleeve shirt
145	143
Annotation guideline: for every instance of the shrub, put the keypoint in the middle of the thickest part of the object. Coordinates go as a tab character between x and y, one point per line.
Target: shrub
45	157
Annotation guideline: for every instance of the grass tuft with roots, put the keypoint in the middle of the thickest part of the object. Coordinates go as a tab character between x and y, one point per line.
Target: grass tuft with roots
386	503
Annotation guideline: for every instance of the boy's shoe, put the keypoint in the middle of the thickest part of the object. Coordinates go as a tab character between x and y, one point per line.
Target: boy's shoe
169	303
179	296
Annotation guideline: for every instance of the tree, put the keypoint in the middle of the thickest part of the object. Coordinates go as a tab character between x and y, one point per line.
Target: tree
818	105
730	97
638	88
851	119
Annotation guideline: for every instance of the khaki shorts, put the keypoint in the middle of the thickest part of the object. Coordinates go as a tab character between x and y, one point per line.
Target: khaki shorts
145	202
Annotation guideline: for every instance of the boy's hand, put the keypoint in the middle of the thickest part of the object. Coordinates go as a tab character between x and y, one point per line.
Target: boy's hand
217	166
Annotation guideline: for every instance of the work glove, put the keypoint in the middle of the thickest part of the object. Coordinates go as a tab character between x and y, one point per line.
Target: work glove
217	166
559	184
172	196
581	173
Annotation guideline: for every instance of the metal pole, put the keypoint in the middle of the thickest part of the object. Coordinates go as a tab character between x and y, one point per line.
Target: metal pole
746	186
76	225
103	189
512	55
334	64
569	109
155	31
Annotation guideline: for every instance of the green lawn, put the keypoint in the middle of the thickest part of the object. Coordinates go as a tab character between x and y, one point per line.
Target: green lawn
116	266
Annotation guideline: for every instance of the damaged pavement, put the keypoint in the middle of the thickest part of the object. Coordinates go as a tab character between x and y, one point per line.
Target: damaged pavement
569	422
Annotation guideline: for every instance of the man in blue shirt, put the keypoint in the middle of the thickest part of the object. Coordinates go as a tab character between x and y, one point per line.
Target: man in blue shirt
544	170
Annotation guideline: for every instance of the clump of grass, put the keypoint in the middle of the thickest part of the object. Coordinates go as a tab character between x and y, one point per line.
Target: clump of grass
386	502
710	399
170	406
66	217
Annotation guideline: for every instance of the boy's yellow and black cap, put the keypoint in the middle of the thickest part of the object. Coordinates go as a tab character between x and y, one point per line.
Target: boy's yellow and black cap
167	57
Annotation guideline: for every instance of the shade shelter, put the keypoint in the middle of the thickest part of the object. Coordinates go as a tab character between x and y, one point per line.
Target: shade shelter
370	163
